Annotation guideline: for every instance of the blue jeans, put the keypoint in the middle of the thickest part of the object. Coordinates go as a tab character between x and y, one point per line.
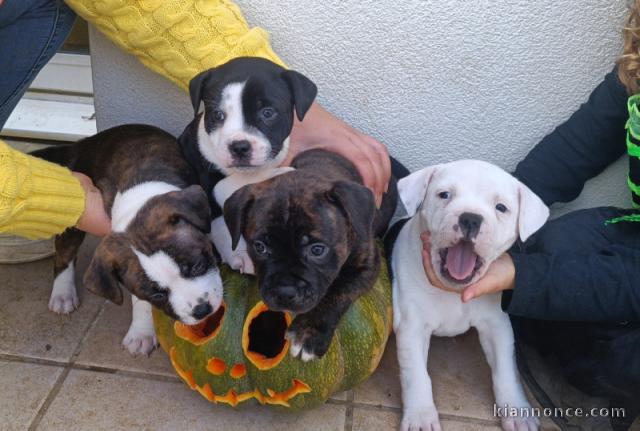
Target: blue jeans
31	32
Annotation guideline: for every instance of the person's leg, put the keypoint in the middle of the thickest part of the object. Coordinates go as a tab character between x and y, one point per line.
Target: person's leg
31	32
601	359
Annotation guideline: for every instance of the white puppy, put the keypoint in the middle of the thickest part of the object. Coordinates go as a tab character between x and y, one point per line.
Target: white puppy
474	211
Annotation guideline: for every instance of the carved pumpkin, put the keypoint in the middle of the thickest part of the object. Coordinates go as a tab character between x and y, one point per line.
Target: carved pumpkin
240	355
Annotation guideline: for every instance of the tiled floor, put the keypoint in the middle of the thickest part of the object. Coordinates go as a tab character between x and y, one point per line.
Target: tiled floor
69	373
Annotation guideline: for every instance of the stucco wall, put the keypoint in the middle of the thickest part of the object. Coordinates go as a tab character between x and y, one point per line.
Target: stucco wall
435	80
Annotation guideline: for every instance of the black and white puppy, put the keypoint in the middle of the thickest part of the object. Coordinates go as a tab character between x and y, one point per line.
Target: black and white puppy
159	248
249	104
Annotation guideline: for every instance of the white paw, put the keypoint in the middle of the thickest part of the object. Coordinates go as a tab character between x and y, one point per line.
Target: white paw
421	419
64	298
297	349
240	261
520	423
307	356
64	304
140	341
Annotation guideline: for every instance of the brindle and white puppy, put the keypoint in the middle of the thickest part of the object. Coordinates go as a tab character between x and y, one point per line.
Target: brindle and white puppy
159	248
311	235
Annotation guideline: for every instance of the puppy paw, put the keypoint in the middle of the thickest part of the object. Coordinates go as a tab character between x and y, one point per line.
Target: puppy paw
307	341
515	423
240	261
423	419
64	298
139	341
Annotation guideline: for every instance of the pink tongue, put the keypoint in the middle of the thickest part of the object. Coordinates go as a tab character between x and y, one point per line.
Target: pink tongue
461	259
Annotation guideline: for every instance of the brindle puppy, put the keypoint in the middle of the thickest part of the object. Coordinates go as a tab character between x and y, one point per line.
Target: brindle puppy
311	235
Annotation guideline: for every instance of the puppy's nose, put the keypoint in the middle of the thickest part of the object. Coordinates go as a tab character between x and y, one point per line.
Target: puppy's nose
470	224
287	293
201	311
241	148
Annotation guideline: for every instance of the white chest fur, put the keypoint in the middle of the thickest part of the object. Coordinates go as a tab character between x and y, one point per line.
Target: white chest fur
127	204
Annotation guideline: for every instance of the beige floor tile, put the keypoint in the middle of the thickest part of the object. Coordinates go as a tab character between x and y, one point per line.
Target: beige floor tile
101	401
383	420
378	420
461	377
24	389
459	372
27	327
383	387
103	345
340	396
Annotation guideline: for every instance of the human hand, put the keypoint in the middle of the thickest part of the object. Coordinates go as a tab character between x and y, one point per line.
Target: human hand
320	129
500	275
431	274
94	219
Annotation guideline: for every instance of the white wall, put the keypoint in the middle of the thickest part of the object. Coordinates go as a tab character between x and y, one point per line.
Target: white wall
435	80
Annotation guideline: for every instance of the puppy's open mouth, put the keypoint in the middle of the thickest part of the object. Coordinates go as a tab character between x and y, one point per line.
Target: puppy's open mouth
460	263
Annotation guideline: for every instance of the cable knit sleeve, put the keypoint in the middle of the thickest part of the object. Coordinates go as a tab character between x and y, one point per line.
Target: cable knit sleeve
38	199
177	38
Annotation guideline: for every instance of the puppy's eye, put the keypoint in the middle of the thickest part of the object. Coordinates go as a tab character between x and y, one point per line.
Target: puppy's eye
444	195
158	297
174	220
318	250
260	247
502	208
268	113
217	115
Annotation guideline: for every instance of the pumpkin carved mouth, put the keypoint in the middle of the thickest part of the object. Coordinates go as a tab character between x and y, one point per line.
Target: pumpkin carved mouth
232	397
263	336
204	331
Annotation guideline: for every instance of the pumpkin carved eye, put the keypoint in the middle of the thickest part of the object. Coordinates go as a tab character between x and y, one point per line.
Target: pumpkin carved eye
204	331
263	339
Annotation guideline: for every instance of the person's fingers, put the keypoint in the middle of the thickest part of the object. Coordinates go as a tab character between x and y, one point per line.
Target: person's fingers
486	284
428	266
97	221
356	152
384	160
500	276
425	237
369	167
94	219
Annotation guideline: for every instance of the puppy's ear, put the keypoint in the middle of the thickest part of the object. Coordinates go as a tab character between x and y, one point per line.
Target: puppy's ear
358	204
192	206
532	214
104	274
236	210
195	89
302	89
412	189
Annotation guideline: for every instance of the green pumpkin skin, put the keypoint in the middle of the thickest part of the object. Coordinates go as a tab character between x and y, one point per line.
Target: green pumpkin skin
354	353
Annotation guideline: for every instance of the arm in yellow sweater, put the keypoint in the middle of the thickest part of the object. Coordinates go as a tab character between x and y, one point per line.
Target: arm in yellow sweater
38	199
177	38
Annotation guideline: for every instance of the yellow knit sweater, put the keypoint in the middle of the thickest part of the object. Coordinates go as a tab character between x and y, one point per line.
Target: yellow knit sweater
37	199
175	38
